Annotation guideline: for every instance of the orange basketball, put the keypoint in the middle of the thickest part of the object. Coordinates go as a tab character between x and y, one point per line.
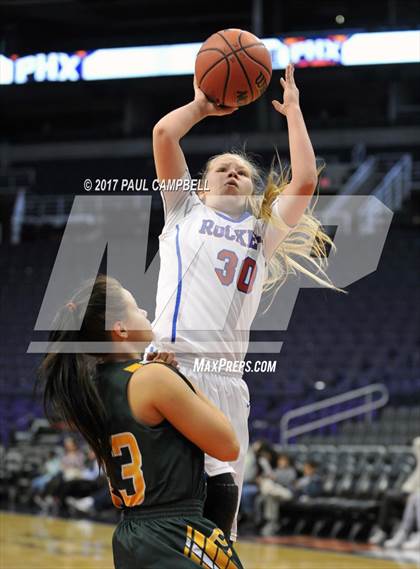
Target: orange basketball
233	68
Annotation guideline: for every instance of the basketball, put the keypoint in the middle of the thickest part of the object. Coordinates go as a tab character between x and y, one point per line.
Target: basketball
233	68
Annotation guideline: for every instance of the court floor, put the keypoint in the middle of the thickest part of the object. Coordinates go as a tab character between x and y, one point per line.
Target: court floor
49	543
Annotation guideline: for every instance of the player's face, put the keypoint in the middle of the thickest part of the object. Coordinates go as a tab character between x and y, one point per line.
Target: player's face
137	324
229	175
229	182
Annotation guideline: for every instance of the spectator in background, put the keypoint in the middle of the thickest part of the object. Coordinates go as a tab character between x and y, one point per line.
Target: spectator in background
259	466
395	500
310	484
50	469
73	459
250	488
411	518
276	487
92	505
71	466
87	481
258	463
266	457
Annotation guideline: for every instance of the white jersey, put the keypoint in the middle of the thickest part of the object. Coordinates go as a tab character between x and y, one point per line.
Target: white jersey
211	278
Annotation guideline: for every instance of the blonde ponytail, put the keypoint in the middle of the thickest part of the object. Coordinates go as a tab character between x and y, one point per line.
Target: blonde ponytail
305	249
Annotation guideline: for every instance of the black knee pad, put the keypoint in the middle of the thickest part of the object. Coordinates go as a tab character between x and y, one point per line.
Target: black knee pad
221	501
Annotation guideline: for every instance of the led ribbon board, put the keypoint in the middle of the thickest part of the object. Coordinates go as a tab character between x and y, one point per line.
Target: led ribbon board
178	59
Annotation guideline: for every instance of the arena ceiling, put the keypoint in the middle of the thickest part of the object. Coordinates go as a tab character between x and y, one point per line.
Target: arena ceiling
48	25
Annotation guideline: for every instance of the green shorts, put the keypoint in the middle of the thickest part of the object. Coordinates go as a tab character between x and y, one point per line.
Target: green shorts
176	537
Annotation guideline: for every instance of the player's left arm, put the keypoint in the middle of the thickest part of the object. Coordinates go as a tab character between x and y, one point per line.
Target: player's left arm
290	206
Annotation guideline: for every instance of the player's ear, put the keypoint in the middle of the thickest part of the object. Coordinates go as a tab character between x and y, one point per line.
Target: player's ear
201	190
119	329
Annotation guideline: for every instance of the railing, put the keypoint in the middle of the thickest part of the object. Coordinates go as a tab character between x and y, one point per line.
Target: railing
359	177
368	391
47	209
396	184
14	179
17	216
353	186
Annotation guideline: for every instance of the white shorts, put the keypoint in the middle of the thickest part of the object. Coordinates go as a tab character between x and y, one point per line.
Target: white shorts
231	395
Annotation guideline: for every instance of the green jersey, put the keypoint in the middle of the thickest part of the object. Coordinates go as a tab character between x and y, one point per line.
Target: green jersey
152	466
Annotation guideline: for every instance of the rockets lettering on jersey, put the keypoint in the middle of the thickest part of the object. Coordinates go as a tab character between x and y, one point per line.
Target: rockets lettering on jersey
245	237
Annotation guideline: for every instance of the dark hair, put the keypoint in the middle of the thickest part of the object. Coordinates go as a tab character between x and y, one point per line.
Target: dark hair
265	447
70	393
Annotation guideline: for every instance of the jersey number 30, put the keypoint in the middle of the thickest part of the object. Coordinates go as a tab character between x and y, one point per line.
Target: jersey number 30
247	273
129	471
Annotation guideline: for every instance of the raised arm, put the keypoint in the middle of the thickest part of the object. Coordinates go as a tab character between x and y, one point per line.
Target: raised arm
169	158
296	196
302	158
